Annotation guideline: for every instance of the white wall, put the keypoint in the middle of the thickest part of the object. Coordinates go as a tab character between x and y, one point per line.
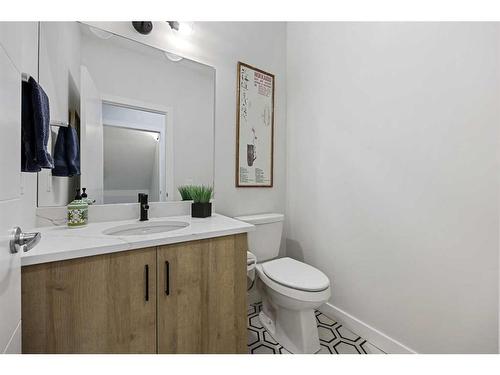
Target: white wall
222	45
393	175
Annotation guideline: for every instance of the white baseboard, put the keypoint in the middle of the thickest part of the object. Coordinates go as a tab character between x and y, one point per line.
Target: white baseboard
372	335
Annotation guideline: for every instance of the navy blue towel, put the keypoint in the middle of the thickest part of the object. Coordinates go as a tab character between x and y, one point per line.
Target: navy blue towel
73	152
60	164
28	143
66	153
35	128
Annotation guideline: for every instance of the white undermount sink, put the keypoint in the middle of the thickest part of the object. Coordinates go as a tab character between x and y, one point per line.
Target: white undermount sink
141	229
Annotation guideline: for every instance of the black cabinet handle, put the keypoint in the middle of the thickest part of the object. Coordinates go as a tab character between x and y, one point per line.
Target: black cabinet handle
146	272
167	278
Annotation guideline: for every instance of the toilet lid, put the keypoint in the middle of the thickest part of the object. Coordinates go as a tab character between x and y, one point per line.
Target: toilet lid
297	275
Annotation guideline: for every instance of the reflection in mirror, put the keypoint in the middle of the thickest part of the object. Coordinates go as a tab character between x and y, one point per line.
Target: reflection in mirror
134	139
145	122
130	148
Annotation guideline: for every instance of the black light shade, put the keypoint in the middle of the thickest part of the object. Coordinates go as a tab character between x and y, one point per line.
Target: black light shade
143	27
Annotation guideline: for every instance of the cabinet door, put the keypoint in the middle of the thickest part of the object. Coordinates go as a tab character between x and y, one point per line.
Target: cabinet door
226	328
202	296
99	304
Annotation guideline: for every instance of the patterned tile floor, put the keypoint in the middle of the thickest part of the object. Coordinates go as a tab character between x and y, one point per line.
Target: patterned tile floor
334	338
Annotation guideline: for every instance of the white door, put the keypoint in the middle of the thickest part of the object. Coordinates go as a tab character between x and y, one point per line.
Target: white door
10	204
91	132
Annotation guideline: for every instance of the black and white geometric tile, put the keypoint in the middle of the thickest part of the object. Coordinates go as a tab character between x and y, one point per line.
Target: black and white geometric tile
334	338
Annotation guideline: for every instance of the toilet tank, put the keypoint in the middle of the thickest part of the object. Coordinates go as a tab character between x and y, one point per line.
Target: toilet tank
265	241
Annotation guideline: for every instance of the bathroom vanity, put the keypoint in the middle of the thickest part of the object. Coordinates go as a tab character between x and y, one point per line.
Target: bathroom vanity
182	291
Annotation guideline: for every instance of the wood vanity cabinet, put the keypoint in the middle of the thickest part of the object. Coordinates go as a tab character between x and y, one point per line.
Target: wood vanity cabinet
95	304
188	297
202	296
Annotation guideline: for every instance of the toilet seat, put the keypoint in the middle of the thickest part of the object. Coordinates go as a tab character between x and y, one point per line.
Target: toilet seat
305	296
295	294
296	275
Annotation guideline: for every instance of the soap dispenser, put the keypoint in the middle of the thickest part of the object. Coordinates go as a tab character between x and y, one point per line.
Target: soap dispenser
77	212
85	197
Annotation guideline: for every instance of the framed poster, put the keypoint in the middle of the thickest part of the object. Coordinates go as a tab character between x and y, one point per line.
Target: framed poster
254	127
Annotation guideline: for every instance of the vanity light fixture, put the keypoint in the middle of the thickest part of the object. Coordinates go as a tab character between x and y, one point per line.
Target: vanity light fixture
143	27
184	28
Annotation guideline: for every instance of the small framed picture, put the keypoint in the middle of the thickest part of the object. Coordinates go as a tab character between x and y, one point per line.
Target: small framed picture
254	127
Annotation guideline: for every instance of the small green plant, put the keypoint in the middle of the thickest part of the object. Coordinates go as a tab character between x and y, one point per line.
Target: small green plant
201	193
185	191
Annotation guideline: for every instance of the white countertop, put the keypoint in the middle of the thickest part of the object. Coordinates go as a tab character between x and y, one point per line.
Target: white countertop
61	242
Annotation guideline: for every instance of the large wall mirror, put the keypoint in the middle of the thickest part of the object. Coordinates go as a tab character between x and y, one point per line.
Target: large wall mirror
144	117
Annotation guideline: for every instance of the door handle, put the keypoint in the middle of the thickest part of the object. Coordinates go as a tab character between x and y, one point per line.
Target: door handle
146	272
20	240
167	278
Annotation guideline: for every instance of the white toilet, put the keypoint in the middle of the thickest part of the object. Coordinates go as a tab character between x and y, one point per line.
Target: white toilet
291	290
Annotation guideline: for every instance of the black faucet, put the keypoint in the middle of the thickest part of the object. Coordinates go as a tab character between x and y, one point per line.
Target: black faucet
143	202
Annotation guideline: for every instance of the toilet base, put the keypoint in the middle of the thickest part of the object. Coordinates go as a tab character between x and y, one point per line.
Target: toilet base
295	330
